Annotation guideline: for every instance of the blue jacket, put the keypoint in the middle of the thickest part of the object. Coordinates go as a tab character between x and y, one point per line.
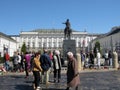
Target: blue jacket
45	62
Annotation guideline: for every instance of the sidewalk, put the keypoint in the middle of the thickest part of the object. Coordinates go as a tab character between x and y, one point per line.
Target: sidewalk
103	79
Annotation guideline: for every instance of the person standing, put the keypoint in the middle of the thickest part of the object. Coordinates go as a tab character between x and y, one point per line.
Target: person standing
106	58
45	64
22	61
19	62
7	59
57	65
73	79
15	61
91	59
51	58
27	63
36	71
98	59
110	58
83	58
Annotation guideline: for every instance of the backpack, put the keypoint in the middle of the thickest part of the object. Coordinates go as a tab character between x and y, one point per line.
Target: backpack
45	62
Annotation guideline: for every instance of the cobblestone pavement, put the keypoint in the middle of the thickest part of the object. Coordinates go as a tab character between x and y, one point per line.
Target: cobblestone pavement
90	80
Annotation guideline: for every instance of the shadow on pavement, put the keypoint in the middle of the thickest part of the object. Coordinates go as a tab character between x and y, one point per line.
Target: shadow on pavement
52	89
28	81
23	87
16	76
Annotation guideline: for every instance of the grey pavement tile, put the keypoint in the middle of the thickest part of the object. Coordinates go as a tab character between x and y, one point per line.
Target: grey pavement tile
99	80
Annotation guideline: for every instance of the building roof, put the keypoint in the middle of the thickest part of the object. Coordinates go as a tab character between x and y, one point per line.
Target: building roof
14	35
60	31
48	30
6	36
114	30
53	30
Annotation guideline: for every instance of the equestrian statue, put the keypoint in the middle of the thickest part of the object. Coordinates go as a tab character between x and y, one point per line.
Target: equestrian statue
67	30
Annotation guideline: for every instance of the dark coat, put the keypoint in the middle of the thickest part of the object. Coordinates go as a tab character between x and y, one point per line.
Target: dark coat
73	78
45	62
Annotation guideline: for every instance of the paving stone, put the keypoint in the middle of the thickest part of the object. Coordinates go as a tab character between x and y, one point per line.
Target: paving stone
89	80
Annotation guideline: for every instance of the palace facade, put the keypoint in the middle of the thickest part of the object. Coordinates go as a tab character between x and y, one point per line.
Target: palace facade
52	39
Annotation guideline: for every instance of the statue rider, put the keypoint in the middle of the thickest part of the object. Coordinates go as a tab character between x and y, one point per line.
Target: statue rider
67	23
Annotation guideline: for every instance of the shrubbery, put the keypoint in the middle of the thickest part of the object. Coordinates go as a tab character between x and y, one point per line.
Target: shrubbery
1	60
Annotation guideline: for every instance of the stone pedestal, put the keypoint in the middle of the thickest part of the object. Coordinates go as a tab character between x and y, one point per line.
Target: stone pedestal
69	45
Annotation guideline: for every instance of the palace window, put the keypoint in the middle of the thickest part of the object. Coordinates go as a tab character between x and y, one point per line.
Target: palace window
33	44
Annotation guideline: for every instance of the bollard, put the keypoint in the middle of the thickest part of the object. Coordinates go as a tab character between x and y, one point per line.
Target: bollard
115	60
79	61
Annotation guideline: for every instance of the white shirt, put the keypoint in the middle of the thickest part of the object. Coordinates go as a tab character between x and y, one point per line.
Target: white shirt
19	59
98	55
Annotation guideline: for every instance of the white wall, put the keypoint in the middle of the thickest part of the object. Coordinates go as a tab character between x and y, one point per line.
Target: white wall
10	44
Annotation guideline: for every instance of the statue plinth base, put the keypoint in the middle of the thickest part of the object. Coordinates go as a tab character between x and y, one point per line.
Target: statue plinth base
69	45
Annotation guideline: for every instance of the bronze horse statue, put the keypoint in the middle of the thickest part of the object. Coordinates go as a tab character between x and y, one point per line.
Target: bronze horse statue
67	33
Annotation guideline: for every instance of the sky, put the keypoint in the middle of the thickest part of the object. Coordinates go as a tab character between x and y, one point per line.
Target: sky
94	16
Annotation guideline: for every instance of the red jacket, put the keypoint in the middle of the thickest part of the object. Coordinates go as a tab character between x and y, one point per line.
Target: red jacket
7	57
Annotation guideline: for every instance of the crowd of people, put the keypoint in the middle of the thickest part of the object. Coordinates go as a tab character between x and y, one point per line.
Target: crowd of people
41	64
96	60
